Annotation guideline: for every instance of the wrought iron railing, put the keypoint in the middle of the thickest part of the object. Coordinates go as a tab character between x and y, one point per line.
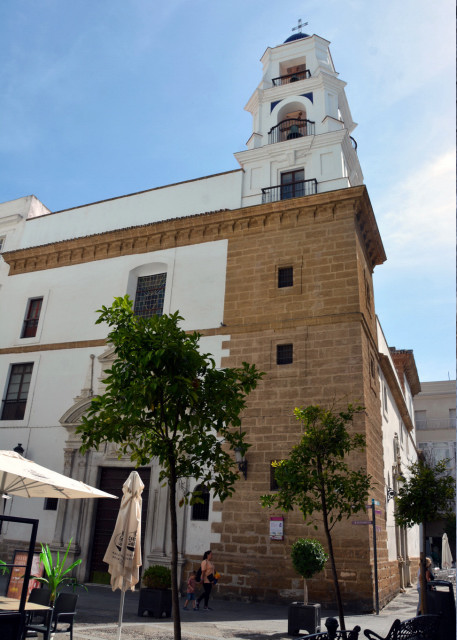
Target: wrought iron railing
291	77
289	129
435	423
287	191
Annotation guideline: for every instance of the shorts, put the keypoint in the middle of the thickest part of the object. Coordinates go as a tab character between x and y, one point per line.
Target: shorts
190	596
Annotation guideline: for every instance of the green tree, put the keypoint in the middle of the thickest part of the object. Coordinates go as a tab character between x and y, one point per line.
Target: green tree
427	494
164	399
316	477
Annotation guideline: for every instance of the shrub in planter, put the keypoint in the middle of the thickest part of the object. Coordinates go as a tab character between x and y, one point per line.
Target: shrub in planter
155	597
157	577
308	557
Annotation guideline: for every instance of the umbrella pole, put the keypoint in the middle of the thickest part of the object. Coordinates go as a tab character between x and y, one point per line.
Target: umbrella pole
121	612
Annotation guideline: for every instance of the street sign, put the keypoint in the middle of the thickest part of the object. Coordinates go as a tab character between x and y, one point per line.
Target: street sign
362	522
376	502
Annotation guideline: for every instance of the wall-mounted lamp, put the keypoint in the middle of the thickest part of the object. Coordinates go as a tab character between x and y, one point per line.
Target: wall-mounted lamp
390	494
241	462
19	449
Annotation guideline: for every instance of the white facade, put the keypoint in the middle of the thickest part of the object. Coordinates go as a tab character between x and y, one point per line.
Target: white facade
399	447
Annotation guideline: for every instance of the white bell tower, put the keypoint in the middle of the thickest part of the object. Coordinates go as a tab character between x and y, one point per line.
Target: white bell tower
301	142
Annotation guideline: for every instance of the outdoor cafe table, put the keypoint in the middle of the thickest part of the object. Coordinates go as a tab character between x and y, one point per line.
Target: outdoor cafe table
12	604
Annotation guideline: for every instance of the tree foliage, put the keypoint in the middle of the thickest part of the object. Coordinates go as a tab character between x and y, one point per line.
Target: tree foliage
165	400
427	494
316	477
308	557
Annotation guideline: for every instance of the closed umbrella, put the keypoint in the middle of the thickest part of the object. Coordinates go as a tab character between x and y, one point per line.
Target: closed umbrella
446	555
22	477
124	550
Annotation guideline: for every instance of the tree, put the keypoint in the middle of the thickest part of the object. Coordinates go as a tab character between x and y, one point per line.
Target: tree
427	494
164	399
316	478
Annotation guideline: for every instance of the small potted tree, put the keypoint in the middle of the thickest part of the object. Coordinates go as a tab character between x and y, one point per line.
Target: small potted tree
308	558
155	596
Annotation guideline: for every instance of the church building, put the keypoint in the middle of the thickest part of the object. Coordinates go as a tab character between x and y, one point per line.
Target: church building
273	264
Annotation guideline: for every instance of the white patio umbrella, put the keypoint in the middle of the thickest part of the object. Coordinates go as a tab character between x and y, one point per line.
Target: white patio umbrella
124	550
446	555
22	477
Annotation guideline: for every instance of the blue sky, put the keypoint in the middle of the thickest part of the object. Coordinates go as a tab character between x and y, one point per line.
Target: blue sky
104	98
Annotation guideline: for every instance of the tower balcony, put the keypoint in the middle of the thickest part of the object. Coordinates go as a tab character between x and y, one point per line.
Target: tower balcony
291	190
291	77
289	129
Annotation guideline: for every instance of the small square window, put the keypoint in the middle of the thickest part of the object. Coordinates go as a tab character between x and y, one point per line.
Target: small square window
2	243
284	353
285	277
50	504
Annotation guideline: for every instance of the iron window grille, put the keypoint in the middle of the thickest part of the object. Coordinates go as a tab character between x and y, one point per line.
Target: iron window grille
200	510
285	277
284	353
150	295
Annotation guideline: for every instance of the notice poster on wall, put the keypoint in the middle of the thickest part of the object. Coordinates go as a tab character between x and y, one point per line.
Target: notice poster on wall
17	572
276	528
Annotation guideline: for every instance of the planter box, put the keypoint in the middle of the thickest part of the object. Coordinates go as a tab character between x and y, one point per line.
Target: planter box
303	617
156	602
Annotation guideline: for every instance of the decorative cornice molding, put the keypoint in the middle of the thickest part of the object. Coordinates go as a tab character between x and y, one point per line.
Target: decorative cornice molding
205	227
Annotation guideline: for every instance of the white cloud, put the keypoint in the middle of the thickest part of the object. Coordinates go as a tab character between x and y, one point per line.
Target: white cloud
417	216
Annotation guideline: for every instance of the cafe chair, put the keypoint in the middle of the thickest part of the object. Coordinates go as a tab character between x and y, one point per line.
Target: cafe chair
38	596
10	623
59	620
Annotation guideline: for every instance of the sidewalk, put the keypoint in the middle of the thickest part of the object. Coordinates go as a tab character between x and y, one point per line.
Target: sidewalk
98	611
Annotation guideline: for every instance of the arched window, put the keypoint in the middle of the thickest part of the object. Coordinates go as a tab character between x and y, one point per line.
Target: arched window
200	510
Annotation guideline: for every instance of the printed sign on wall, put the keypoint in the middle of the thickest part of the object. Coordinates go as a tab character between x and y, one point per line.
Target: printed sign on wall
276	528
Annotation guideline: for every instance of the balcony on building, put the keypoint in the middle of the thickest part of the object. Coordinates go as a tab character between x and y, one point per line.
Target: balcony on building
291	77
295	189
289	129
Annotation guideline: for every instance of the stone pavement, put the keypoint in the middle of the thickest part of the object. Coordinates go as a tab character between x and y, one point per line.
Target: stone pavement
98	611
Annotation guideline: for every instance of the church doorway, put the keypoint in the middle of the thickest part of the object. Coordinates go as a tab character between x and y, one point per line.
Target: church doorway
111	480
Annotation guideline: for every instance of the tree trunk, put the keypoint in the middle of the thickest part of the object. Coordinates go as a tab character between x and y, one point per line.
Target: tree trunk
423	573
174	554
305	592
336	585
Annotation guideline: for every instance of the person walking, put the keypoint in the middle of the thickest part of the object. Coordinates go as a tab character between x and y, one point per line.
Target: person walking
191	584
207	580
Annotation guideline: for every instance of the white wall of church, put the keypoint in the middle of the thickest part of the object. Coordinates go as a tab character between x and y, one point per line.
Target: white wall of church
221	191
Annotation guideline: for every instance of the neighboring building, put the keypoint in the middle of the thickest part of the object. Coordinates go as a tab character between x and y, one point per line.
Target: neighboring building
434	409
272	264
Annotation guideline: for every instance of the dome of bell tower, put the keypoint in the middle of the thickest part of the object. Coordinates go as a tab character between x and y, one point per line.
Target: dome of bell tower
296	36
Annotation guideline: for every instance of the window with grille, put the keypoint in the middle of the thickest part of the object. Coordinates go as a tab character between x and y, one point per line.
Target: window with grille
200	510
50	504
2	243
285	277
150	295
32	318
273	483
17	391
284	353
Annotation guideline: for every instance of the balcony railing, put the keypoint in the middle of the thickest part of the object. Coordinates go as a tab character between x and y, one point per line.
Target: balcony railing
292	190
435	423
289	129
292	77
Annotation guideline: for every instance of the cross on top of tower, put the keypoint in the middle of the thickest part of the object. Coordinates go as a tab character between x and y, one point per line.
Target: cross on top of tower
300	26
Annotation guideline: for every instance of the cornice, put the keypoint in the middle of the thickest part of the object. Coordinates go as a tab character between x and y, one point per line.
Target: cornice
196	229
396	390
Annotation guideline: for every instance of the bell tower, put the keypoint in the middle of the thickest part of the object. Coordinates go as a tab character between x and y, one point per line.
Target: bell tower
301	141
